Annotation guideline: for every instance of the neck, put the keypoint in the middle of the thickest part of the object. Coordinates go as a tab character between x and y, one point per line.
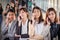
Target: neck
24	20
52	21
37	20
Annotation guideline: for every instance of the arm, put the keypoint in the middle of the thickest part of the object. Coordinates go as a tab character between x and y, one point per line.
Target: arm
4	28
12	33
46	30
31	30
13	29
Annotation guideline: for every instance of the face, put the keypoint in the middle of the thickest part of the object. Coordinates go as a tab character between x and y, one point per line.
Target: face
51	15
23	14
37	13
8	6
10	16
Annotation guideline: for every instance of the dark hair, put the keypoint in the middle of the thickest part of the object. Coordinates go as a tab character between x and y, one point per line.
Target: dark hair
1	9
25	10
7	5
47	13
40	18
23	3
10	10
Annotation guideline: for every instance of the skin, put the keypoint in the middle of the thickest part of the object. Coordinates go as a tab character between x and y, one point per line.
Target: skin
9	18
36	14
51	16
24	18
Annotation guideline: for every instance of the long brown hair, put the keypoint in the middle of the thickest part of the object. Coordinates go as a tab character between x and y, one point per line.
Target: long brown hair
40	18
25	10
47	13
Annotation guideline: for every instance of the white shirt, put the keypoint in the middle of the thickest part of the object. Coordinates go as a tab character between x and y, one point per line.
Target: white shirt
24	27
38	28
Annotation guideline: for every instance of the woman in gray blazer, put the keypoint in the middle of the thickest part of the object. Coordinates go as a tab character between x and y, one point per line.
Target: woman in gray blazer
8	26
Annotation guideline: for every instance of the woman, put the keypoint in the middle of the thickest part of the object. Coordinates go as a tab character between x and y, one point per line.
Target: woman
51	17
8	26
37	29
22	25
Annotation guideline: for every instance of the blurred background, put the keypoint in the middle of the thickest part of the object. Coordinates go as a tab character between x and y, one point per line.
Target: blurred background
43	4
29	4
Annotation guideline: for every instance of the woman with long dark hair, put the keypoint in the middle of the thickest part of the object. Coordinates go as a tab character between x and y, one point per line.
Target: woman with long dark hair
37	29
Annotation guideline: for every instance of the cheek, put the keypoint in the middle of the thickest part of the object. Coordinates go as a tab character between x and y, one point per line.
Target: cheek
54	16
24	15
38	14
49	17
11	17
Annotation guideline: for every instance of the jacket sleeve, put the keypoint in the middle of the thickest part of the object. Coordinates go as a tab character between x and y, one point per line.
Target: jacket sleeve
46	30
4	28
12	34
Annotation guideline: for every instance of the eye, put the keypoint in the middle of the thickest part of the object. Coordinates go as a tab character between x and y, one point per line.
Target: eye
52	13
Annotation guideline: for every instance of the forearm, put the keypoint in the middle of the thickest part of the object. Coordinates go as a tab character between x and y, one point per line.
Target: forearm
38	37
4	29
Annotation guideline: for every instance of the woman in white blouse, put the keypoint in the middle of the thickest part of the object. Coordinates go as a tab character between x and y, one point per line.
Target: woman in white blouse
37	29
22	25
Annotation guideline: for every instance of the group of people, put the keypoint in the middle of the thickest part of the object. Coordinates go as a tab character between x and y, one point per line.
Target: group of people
33	27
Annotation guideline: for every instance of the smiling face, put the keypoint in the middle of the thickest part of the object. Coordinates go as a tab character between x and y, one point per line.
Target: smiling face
23	14
10	16
37	13
51	15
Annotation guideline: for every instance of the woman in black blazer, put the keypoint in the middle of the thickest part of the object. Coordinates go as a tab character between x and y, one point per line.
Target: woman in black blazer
51	16
22	24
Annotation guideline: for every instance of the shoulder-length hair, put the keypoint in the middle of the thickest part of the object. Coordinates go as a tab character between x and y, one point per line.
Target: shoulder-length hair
41	17
47	14
25	10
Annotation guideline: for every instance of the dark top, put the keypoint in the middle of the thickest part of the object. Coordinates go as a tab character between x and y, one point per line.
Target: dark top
58	31
53	30
1	10
19	29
